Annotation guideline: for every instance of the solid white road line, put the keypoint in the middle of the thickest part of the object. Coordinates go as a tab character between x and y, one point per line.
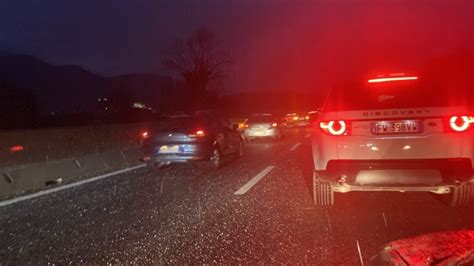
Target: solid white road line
295	146
254	181
68	186
307	135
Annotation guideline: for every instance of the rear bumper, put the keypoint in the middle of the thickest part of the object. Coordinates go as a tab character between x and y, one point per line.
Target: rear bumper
267	133
437	189
192	152
432	175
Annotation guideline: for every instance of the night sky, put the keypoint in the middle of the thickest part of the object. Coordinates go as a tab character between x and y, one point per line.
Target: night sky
292	44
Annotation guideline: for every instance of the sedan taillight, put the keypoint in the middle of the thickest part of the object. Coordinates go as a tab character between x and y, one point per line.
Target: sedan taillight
334	128
461	123
197	134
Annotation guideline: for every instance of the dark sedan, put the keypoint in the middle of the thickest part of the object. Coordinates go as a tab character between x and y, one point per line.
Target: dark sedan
188	138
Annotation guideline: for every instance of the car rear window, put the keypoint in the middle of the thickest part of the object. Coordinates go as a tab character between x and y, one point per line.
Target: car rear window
392	95
181	123
261	119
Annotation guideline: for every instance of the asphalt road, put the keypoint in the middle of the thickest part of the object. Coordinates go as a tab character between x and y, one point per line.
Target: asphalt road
186	214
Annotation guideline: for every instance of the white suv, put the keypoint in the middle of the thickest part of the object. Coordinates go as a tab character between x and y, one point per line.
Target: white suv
395	133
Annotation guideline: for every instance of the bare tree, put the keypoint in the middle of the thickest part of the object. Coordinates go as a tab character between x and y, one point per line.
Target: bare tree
199	62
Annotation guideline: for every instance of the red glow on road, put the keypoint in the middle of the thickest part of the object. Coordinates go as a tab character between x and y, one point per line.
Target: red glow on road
379	80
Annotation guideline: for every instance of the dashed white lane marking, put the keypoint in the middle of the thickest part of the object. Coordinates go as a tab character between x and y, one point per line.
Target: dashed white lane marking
68	186
295	146
254	181
307	135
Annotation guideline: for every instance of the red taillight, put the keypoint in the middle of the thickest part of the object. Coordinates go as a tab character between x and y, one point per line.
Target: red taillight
145	135
335	128
246	126
461	123
16	148
197	134
274	125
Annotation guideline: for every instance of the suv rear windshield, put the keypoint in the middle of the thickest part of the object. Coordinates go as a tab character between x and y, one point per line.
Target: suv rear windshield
392	95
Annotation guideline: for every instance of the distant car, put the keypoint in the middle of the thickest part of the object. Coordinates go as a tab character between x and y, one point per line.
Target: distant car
206	136
297	120
262	126
313	116
396	133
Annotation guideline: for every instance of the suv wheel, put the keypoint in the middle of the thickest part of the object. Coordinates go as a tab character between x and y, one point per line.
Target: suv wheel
461	196
323	195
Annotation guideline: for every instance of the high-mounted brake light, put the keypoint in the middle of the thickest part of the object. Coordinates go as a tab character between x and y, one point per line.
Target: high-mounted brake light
379	80
335	128
461	123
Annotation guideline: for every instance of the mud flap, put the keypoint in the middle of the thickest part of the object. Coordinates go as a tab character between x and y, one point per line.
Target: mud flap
323	194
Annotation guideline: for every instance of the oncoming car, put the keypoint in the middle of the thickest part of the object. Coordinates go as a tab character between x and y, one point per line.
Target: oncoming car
262	126
187	138
395	133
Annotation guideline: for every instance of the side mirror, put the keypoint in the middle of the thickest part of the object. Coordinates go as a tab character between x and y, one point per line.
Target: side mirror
235	126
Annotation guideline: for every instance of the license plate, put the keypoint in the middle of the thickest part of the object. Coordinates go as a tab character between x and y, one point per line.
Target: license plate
169	149
396	127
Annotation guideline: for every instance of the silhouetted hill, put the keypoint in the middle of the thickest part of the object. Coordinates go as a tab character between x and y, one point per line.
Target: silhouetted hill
73	89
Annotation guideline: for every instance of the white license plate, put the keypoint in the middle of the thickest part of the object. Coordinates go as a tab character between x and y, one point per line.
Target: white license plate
396	127
169	149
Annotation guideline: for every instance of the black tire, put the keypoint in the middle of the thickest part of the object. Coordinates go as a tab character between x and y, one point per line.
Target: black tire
215	161
323	195
461	196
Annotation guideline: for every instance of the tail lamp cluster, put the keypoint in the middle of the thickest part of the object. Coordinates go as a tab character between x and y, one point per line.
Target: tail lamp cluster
461	123
197	134
335	127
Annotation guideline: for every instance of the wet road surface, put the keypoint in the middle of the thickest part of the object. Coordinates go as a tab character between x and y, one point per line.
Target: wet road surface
255	209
